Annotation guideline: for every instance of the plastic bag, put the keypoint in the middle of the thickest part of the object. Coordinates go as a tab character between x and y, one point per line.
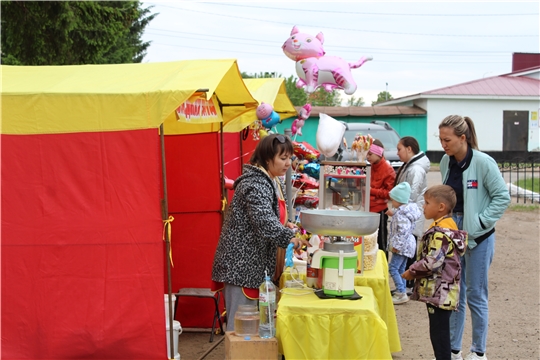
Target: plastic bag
329	135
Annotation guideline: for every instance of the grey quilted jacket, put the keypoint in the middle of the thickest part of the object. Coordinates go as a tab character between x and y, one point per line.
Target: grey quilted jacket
415	173
251	232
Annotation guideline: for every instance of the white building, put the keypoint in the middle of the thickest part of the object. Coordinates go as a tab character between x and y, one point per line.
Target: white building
504	109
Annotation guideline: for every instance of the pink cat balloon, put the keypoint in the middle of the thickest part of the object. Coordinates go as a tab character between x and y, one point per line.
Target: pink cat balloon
314	69
296	126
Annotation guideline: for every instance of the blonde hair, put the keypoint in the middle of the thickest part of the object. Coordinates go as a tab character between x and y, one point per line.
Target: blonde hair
462	125
444	194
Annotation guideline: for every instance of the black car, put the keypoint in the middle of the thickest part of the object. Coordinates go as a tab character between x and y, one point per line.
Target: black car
378	130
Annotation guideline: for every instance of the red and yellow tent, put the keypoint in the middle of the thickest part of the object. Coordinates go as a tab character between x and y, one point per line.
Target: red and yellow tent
82	186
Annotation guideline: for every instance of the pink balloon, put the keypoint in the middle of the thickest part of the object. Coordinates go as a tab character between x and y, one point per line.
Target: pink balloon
296	126
314	69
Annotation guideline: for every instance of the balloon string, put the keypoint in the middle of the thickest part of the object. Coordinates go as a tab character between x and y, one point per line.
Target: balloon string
239	157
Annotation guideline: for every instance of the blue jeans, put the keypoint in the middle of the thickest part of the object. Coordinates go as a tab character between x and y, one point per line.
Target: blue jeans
474	292
396	267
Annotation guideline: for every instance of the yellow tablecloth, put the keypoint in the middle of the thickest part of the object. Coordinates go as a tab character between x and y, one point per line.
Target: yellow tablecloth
377	279
313	328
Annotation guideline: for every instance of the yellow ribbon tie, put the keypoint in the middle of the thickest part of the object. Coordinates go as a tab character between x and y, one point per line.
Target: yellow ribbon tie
223	204
167	225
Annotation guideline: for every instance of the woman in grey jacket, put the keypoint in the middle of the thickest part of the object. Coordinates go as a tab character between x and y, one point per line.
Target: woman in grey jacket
413	171
482	198
255	226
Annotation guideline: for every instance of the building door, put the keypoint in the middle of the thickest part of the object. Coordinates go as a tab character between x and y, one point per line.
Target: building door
515	130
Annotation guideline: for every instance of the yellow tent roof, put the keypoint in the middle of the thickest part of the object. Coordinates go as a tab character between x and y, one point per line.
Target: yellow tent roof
87	98
271	91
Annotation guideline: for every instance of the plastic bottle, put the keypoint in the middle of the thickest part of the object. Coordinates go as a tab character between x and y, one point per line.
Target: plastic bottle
267	309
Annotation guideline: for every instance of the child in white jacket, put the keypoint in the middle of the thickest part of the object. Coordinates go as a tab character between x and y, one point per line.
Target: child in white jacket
401	242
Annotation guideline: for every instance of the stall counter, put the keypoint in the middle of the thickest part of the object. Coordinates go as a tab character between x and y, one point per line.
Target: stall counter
312	328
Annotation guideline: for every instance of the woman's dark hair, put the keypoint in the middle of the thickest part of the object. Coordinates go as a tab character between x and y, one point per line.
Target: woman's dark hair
409	141
462	125
269	147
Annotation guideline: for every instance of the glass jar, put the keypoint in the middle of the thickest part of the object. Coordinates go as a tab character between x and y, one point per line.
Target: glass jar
246	320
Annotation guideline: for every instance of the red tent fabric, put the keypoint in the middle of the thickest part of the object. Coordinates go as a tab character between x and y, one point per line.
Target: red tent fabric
194	193
75	242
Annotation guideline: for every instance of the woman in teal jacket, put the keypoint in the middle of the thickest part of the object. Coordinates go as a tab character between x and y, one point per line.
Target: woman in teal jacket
482	198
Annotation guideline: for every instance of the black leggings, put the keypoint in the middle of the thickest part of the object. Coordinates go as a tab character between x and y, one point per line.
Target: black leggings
382	236
410	261
439	331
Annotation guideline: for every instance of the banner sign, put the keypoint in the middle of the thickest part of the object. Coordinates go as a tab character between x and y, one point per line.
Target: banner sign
198	110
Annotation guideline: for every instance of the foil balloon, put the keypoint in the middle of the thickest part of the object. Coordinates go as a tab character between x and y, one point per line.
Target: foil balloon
266	114
312	169
296	127
314	69
304	151
309	201
304	182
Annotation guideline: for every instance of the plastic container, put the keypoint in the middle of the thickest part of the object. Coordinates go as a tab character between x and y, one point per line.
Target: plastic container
246	321
173	298
267	309
300	265
177	330
370	258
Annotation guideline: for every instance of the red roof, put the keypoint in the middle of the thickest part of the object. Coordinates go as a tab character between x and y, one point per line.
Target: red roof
364	110
504	85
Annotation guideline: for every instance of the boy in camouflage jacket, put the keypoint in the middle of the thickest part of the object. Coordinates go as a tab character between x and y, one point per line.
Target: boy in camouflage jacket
438	267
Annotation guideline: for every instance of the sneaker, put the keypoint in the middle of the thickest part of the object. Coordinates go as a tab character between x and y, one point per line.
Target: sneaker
408	291
457	356
392	292
474	356
399	298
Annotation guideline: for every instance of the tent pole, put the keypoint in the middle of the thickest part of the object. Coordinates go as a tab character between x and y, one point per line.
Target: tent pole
165	215
223	193
288	185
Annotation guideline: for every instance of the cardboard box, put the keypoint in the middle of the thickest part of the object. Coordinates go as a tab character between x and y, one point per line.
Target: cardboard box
236	347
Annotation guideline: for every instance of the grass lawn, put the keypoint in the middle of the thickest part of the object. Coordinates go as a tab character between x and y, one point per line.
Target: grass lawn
532	184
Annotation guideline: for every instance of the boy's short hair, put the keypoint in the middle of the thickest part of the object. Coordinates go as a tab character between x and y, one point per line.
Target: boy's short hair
444	194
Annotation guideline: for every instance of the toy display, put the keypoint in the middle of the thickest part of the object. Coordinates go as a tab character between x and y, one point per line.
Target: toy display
314	69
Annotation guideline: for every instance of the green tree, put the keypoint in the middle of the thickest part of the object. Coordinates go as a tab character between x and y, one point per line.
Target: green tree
355	102
322	97
382	97
318	98
73	32
297	96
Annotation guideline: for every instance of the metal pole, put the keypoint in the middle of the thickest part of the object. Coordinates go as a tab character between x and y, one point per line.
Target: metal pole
288	184
165	215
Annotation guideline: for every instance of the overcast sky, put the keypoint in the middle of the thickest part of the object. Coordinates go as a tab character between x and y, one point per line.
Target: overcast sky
416	46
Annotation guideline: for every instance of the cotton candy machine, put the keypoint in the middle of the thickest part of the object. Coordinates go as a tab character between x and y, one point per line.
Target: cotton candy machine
339	222
338	259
